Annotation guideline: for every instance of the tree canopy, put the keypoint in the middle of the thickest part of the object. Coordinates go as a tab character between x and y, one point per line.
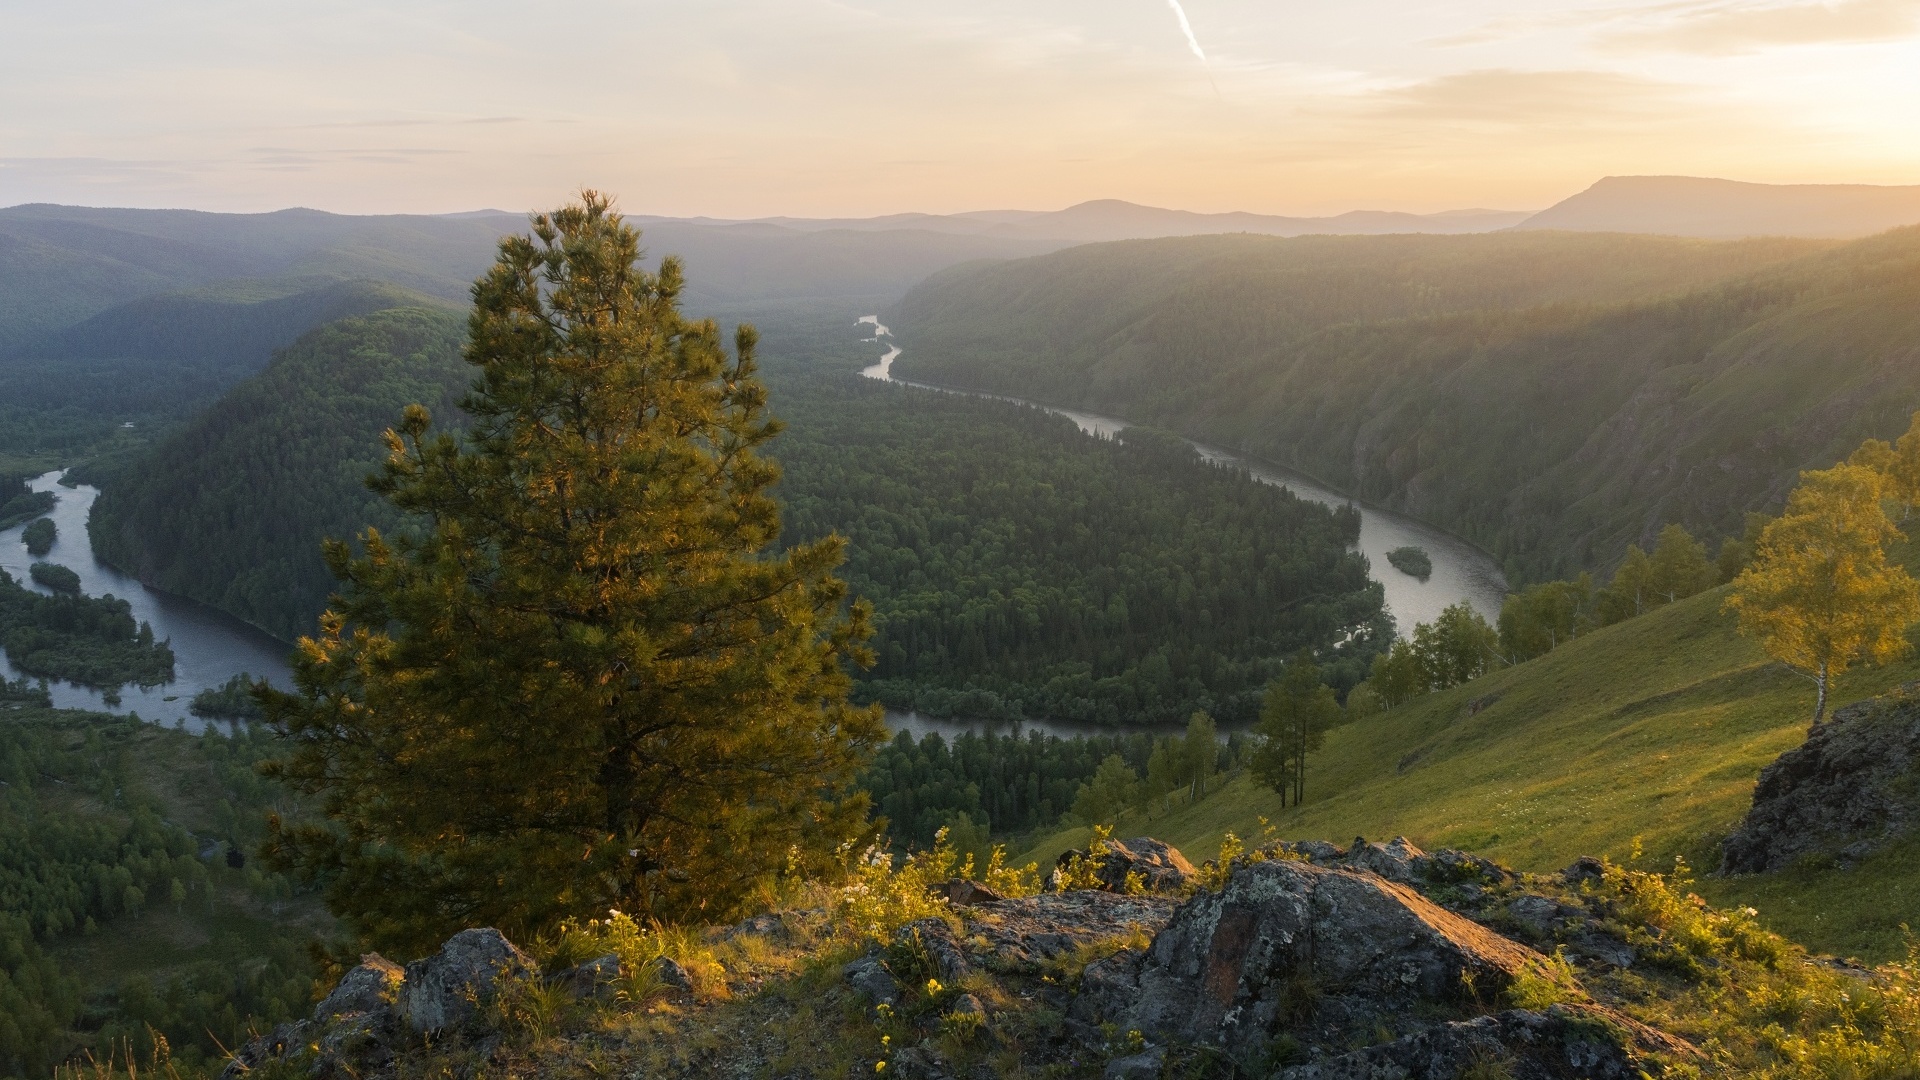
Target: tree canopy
583	681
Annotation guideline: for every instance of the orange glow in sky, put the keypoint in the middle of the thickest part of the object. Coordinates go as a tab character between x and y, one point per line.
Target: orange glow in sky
828	107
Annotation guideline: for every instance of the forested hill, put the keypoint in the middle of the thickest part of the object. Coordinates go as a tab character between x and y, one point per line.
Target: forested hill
1551	396
229	510
1017	567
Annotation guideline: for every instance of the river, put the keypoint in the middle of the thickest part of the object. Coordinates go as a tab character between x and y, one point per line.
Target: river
209	646
1461	571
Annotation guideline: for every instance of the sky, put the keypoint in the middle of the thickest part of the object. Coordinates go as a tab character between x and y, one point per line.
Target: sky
743	108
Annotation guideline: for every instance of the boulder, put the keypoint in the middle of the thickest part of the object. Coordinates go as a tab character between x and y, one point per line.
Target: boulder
960	892
1285	937
1160	866
1396	860
1523	1045
674	974
934	938
869	977
593	980
1023	935
445	990
372	987
1846	791
1145	1065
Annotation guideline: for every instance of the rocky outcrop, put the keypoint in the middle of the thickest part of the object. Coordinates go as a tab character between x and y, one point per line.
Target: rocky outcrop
1850	788
1304	961
1152	865
378	1007
1288	944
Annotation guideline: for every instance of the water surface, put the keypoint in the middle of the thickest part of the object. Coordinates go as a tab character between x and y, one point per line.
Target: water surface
209	646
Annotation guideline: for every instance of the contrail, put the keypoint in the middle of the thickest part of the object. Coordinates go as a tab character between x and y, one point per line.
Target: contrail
1187	29
1193	42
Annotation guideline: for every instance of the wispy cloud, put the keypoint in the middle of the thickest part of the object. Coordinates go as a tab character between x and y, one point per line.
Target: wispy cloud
1711	27
1726	28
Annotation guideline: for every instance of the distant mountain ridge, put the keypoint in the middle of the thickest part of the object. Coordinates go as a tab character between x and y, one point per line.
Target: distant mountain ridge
1114	219
1729	209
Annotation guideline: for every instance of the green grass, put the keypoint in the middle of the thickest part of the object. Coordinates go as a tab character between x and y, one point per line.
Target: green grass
1644	737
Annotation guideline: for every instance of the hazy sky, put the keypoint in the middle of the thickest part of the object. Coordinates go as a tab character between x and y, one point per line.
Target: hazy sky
821	107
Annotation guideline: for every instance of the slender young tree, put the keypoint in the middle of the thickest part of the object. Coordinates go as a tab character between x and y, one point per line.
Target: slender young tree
1294	717
582	679
1820	594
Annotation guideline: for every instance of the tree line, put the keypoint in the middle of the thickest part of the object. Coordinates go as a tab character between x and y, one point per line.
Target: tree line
87	848
91	640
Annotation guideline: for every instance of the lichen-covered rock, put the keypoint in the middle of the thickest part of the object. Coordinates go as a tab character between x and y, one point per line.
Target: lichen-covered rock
961	892
1524	1045
1154	864
935	939
1021	935
1283	937
594	980
445	990
371	987
1850	788
1396	860
869	977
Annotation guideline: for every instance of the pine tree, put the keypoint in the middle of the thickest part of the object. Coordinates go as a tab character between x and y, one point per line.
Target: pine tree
579	679
1820	594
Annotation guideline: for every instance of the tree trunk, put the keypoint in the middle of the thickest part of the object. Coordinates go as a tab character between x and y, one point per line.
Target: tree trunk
1820	697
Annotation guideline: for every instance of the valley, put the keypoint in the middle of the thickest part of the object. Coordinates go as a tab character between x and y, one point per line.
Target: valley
1094	502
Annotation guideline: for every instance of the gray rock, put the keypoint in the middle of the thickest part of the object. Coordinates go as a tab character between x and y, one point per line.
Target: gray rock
1397	860
1844	793
960	892
1232	967
1540	914
968	1006
1023	935
372	987
869	977
935	938
673	974
1160	866
1145	1065
1600	947
1527	1045
594	980
445	990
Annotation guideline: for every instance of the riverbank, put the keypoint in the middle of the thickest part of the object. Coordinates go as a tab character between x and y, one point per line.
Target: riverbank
1461	571
209	646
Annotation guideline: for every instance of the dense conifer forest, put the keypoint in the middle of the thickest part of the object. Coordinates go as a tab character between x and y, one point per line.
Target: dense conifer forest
128	908
1549	396
1017	567
91	640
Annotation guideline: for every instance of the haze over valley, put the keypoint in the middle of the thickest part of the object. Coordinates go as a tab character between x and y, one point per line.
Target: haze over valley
1120	541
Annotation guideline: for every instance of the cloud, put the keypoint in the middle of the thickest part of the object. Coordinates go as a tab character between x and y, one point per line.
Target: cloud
1725	28
1532	99
1712	27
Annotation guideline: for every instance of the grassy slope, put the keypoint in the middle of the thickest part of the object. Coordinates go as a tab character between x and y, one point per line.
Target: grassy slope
1652	729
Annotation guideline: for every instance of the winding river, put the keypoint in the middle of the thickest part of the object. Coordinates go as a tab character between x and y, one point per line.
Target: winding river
209	646
1461	571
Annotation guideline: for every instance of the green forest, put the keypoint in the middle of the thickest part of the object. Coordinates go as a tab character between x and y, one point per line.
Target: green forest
128	906
1552	397
230	511
91	640
1017	568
